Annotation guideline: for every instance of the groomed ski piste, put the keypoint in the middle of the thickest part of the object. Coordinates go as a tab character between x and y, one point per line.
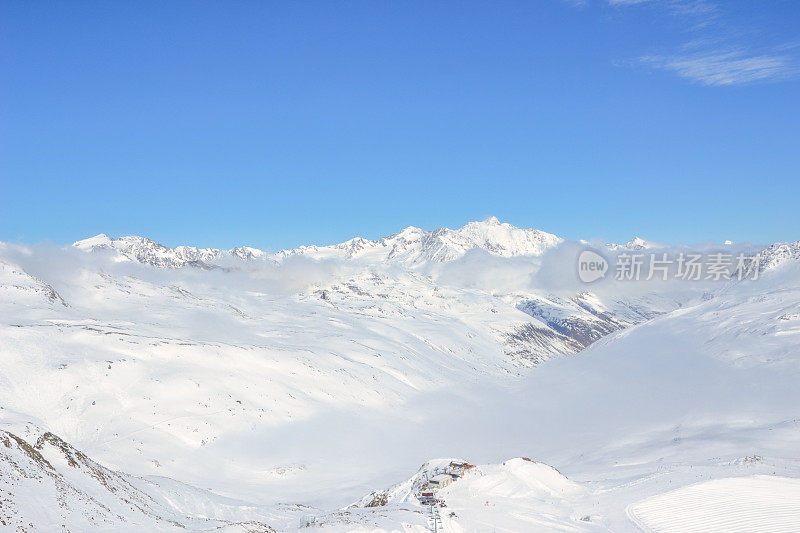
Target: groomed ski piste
747	504
144	388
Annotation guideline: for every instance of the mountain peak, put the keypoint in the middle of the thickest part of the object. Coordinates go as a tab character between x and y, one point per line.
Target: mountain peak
637	243
99	240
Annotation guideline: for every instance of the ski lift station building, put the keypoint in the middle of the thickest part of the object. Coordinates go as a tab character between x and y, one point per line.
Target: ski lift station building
440	481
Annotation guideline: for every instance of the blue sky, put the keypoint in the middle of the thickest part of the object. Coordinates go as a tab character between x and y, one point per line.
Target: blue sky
275	124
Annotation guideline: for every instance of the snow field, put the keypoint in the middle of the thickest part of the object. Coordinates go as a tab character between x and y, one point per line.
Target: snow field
753	504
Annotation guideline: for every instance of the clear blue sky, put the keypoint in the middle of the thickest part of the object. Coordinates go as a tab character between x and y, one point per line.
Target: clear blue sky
275	124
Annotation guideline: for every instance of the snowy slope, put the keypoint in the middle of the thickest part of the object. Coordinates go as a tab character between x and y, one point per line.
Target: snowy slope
18	288
745	504
49	485
316	377
515	495
703	393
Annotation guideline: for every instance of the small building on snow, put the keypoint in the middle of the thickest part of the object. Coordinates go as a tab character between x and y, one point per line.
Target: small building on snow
459	468
442	480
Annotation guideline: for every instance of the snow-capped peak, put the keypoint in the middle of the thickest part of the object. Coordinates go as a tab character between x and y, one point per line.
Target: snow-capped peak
98	241
637	243
149	252
414	246
410	232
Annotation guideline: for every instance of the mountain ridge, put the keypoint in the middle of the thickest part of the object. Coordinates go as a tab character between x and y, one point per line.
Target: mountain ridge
411	246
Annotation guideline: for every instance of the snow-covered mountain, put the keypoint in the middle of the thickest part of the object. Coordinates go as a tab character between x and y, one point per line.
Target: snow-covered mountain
87	496
411	246
778	254
261	388
637	243
151	253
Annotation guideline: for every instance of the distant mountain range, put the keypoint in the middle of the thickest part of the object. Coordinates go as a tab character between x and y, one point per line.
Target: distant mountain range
411	246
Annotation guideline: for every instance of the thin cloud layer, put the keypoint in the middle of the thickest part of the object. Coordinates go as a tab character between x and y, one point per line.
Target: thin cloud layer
731	68
717	50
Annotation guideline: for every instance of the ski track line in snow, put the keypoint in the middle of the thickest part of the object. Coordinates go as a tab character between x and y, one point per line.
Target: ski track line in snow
752	504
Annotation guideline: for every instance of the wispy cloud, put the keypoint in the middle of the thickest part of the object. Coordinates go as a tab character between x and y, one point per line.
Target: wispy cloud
696	14
726	68
716	51
680	6
627	2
